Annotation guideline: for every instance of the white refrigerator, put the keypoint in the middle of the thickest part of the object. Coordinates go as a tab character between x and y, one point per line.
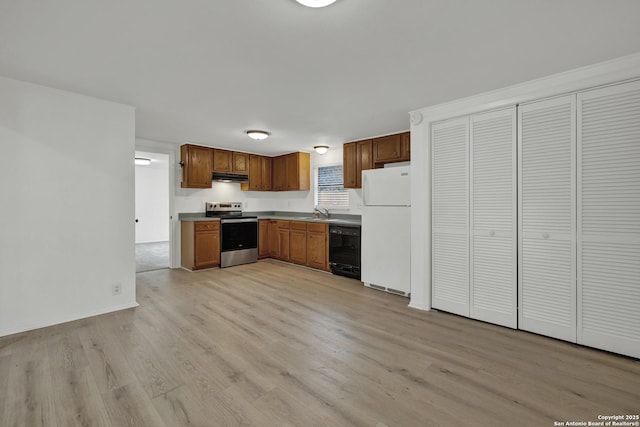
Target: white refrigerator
386	230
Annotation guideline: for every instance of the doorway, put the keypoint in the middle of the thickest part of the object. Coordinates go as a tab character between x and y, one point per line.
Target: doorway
152	212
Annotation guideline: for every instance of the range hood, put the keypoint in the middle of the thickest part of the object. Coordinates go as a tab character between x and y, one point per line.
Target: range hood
229	177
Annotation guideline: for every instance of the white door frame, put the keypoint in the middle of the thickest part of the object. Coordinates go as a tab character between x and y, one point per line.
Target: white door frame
170	150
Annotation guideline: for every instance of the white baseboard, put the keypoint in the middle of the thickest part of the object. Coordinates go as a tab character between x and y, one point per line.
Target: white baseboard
65	319
413	305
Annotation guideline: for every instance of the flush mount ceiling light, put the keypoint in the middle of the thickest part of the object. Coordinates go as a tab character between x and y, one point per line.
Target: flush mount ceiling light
321	149
258	134
142	161
316	3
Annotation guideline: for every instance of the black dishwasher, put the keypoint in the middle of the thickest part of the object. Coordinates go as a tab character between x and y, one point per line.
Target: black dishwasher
344	250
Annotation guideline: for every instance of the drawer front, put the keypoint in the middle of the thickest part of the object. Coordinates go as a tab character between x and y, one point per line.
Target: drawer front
283	224
299	225
207	225
317	228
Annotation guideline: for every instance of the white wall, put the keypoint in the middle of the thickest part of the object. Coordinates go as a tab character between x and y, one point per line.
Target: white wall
152	198
66	222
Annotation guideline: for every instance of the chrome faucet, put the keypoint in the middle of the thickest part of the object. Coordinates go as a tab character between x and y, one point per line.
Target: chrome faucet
320	211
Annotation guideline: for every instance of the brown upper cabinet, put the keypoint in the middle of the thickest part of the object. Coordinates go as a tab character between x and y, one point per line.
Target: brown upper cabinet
240	163
349	168
291	172
298	171
222	160
364	158
259	174
282	173
279	173
265	170
255	175
197	165
230	161
405	145
357	157
387	149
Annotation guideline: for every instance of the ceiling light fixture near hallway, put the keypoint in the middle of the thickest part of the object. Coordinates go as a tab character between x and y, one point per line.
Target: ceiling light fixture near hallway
142	161
258	134
321	149
316	3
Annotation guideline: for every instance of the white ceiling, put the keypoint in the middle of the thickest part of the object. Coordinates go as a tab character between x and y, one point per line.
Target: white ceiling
204	71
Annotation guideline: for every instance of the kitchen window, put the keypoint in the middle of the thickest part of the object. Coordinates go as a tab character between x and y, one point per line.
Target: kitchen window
329	192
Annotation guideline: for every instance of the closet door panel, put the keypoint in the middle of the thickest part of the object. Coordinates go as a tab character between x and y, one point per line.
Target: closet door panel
493	261
548	299
547	223
450	207
609	218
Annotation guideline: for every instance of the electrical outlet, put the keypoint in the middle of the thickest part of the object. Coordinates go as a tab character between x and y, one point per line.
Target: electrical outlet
116	289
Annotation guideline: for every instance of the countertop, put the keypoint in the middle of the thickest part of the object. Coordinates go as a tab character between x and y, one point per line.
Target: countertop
338	219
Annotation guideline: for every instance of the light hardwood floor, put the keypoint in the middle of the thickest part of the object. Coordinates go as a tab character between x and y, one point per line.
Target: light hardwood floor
270	344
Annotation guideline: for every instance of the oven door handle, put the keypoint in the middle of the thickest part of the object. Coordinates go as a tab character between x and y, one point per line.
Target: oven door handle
235	221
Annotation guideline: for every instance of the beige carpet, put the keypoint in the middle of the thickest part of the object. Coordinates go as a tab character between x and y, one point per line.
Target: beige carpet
152	256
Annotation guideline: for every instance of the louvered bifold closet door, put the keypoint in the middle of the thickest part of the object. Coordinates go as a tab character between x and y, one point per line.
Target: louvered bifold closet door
493	278
609	218
450	216
547	203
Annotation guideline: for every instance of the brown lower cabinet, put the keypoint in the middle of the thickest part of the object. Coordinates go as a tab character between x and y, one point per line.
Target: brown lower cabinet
299	242
318	246
200	244
282	240
264	247
273	239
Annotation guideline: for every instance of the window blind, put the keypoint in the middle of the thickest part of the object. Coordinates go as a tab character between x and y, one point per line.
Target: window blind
330	192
